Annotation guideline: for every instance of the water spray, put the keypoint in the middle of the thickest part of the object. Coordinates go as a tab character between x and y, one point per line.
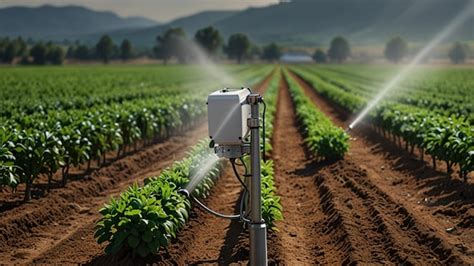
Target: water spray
234	130
466	14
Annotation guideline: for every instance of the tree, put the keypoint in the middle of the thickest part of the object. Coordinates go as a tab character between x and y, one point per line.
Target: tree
55	55
105	48
38	52
82	52
396	49
458	53
238	46
271	52
339	50
21	47
126	50
10	52
170	44
320	56
209	38
71	51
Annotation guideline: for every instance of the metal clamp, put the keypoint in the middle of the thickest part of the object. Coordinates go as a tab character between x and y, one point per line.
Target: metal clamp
253	122
253	98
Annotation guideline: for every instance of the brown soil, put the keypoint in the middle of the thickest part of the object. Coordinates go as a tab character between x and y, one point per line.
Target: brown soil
376	206
59	227
405	196
45	229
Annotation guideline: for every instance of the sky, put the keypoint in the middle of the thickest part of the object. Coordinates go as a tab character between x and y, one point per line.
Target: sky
159	10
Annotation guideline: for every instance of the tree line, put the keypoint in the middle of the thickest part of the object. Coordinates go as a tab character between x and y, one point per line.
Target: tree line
395	50
174	44
39	53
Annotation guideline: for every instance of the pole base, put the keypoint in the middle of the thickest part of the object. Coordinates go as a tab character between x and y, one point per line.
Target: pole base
258	244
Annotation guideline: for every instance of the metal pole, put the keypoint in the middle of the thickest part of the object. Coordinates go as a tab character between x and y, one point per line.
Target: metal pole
257	227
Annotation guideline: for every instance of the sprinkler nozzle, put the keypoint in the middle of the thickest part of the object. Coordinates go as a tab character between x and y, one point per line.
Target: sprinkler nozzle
349	128
184	192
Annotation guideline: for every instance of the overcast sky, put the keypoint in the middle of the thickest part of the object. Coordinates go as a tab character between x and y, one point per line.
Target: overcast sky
160	10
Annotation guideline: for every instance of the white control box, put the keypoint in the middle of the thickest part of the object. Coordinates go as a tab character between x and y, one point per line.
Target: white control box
227	113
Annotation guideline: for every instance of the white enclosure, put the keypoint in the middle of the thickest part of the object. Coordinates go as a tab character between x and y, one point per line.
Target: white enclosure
227	113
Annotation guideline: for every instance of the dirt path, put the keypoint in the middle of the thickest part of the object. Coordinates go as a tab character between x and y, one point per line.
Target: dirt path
309	233
387	191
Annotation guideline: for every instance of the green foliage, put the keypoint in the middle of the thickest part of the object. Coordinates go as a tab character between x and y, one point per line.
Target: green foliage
8	169
427	112
104	48
238	46
270	97
320	56
396	49
126	50
271	52
171	44
339	50
55	55
209	38
59	131
323	138
38	52
458	53
271	206
143	219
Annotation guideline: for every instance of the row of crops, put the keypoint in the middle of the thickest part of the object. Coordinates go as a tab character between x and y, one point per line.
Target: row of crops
447	91
325	140
446	132
46	141
144	219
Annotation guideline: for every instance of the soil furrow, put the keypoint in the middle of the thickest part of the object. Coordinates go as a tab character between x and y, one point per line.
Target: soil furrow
42	225
309	232
59	228
397	207
421	242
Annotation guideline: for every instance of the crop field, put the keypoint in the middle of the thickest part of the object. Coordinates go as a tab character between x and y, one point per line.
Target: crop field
92	158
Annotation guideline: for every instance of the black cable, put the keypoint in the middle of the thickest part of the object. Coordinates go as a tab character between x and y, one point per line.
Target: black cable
264	137
232	161
245	166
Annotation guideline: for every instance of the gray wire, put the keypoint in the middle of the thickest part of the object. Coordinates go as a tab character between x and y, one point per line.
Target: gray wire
225	216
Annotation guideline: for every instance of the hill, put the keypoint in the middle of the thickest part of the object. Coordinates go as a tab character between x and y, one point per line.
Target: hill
146	36
315	22
296	23
57	23
306	22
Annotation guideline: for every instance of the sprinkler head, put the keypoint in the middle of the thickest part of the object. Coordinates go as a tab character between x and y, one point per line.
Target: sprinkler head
184	192
349	128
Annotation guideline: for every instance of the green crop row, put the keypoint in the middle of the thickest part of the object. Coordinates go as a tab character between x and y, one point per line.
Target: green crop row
446	91
446	138
143	219
323	138
271	206
270	98
66	139
44	143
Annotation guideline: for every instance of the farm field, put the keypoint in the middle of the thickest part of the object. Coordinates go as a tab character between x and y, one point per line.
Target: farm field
398	188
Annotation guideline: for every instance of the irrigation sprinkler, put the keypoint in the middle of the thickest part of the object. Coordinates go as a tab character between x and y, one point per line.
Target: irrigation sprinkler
234	130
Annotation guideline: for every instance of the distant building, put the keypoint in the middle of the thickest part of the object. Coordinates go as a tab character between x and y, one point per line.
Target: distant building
296	57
